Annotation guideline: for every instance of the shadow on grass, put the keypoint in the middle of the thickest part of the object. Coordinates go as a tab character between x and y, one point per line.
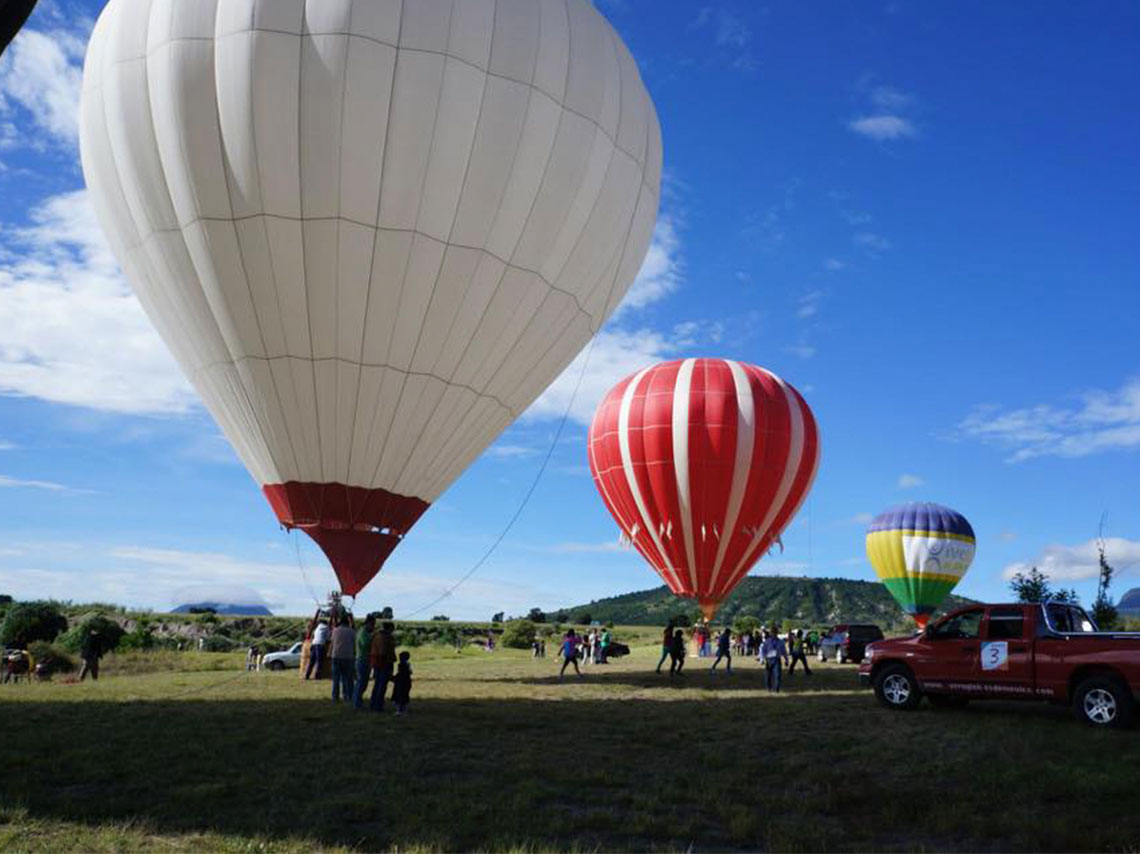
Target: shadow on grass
751	677
802	773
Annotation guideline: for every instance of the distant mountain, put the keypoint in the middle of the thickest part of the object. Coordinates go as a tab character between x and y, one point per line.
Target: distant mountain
227	610
1130	603
812	601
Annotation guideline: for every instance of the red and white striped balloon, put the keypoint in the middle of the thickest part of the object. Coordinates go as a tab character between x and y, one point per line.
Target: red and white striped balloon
703	462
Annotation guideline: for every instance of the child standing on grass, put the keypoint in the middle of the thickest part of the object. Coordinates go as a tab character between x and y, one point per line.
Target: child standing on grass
569	654
402	684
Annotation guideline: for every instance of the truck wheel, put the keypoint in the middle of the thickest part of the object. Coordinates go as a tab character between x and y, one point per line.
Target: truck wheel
896	688
1103	702
276	665
947	701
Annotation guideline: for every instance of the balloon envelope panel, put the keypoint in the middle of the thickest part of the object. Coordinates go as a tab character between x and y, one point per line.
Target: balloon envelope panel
920	551
370	231
702	463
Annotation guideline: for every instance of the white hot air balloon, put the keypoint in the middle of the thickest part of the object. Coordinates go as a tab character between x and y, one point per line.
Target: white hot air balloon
371	231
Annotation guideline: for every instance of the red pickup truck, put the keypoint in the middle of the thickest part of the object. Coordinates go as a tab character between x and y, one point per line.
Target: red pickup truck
1051	651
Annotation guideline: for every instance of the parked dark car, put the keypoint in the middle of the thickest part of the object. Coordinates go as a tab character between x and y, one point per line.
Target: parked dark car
848	642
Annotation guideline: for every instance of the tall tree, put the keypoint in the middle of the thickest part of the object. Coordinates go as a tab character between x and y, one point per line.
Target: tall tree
1104	612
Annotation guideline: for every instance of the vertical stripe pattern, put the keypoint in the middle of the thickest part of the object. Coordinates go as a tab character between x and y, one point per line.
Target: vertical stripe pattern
703	463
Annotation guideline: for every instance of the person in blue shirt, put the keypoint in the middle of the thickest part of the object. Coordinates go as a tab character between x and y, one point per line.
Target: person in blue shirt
723	650
772	653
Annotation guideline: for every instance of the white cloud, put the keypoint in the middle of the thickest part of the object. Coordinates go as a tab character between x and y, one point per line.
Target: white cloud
909	481
1080	562
511	452
73	331
661	271
802	350
833	265
1097	422
148	577
5	445
861	519
19	483
883	127
808	305
731	34
1007	536
889	99
873	243
585	548
887	116
615	355
41	75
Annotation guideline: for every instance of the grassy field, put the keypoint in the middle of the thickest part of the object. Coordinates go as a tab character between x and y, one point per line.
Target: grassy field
497	755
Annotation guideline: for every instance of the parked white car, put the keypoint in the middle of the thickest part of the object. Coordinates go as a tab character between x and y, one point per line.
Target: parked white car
282	660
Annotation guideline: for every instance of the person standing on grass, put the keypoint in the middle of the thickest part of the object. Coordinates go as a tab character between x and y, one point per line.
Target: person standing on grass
402	684
382	657
342	650
789	642
363	659
723	650
605	641
317	649
569	653
772	652
91	652
677	653
666	645
799	653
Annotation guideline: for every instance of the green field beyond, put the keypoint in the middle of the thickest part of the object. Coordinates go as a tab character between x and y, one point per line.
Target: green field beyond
497	755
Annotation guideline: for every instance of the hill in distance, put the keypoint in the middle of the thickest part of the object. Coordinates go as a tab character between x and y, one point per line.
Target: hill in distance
224	609
1130	603
809	601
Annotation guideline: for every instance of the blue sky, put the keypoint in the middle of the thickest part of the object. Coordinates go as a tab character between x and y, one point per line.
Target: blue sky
921	215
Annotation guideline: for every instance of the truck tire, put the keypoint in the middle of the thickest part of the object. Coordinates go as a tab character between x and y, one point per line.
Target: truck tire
1103	702
276	665
896	688
947	701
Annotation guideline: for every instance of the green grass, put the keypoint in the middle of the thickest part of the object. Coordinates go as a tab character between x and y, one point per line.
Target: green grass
497	755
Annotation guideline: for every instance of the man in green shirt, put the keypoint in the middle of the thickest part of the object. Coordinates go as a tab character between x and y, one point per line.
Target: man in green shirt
363	663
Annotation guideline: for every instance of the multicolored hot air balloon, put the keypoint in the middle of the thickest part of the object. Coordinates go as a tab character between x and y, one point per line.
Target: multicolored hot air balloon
920	551
371	232
703	462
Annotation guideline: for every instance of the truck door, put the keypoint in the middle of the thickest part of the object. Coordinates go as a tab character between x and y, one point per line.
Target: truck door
1006	657
954	652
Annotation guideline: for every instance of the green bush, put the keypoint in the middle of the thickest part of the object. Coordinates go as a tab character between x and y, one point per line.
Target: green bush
140	637
110	633
217	643
27	622
52	657
518	634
